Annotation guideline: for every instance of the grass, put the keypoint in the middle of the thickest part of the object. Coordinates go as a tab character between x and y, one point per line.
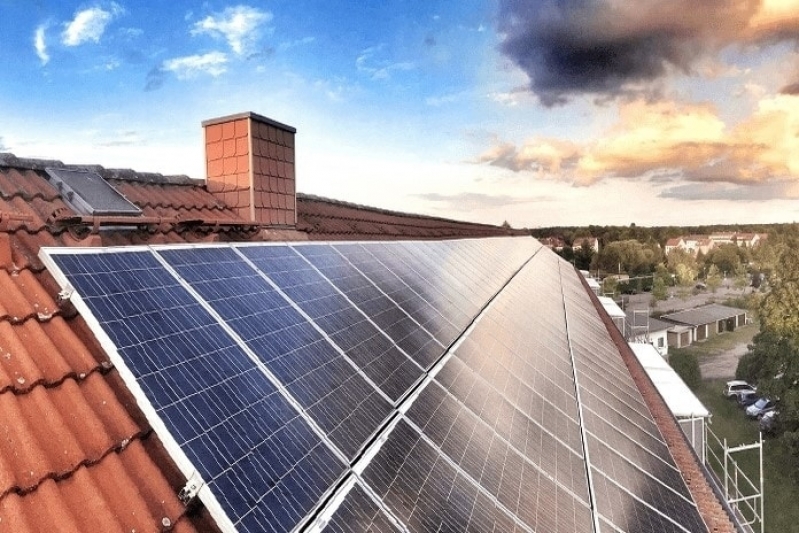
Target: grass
779	468
718	344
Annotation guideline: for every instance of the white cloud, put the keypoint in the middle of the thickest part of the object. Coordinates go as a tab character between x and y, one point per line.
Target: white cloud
379	69
213	63
40	43
89	24
239	25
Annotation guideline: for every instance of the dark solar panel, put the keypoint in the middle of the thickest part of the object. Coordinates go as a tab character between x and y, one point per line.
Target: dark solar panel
272	366
428	317
386	314
375	353
427	493
359	513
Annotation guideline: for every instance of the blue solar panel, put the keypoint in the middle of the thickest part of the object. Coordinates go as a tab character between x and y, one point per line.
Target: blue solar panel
432	320
252	448
374	353
344	404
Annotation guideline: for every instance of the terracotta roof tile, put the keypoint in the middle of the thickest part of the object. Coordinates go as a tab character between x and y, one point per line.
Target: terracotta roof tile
325	219
72	453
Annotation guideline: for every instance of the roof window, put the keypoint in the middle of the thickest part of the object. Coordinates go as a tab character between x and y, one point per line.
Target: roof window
89	194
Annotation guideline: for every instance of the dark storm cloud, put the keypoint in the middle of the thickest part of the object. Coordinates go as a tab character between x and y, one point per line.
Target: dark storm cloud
608	48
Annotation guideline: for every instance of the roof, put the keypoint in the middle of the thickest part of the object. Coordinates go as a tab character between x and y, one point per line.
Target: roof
652	324
326	219
705	314
75	448
611	307
680	399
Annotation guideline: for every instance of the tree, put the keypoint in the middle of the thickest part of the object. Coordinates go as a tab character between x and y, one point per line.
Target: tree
659	291
773	358
713	278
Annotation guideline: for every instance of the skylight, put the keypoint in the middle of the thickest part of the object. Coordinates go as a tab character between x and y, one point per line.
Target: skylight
89	194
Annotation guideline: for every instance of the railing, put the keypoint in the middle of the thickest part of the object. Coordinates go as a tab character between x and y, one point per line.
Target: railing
742	494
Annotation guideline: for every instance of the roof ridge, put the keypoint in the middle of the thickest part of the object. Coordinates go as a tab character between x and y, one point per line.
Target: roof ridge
361	207
8	159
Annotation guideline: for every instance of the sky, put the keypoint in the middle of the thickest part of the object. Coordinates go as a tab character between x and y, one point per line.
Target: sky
538	113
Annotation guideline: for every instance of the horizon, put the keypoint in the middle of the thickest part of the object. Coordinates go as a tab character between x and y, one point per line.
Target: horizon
541	114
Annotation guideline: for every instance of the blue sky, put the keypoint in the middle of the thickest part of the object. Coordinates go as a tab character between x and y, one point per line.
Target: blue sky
558	112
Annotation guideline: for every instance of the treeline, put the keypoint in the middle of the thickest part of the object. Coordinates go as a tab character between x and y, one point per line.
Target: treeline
658	234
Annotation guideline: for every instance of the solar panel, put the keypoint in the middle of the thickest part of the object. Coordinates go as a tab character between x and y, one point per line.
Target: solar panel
261	460
415	386
337	397
374	352
414	340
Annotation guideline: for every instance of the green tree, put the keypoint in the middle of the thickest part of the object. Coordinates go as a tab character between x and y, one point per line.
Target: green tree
686	365
659	291
610	286
713	278
773	358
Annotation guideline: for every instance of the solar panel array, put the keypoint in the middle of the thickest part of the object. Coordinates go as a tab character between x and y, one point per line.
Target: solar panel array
408	386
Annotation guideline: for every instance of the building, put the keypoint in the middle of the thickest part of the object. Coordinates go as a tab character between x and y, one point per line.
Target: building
682	402
706	321
647	330
592	242
79	454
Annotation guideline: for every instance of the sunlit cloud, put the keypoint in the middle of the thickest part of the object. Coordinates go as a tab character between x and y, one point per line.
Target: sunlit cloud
40	43
89	24
689	141
240	26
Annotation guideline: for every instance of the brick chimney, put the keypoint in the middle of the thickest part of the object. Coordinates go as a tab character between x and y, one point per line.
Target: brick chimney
250	167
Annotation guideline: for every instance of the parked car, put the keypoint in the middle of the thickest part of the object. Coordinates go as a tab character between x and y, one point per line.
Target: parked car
761	406
769	422
746	398
736	386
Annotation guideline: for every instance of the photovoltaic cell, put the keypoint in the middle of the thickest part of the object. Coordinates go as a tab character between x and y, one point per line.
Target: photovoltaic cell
373	352
427	493
335	395
390	283
261	460
360	514
396	323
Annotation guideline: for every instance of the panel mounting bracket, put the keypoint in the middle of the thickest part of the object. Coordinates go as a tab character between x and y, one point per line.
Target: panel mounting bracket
189	491
64	295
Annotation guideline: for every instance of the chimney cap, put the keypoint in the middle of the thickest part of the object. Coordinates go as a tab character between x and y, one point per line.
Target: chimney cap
250	115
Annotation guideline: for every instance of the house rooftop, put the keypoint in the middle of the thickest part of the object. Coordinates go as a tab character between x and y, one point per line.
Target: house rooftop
705	314
77	450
